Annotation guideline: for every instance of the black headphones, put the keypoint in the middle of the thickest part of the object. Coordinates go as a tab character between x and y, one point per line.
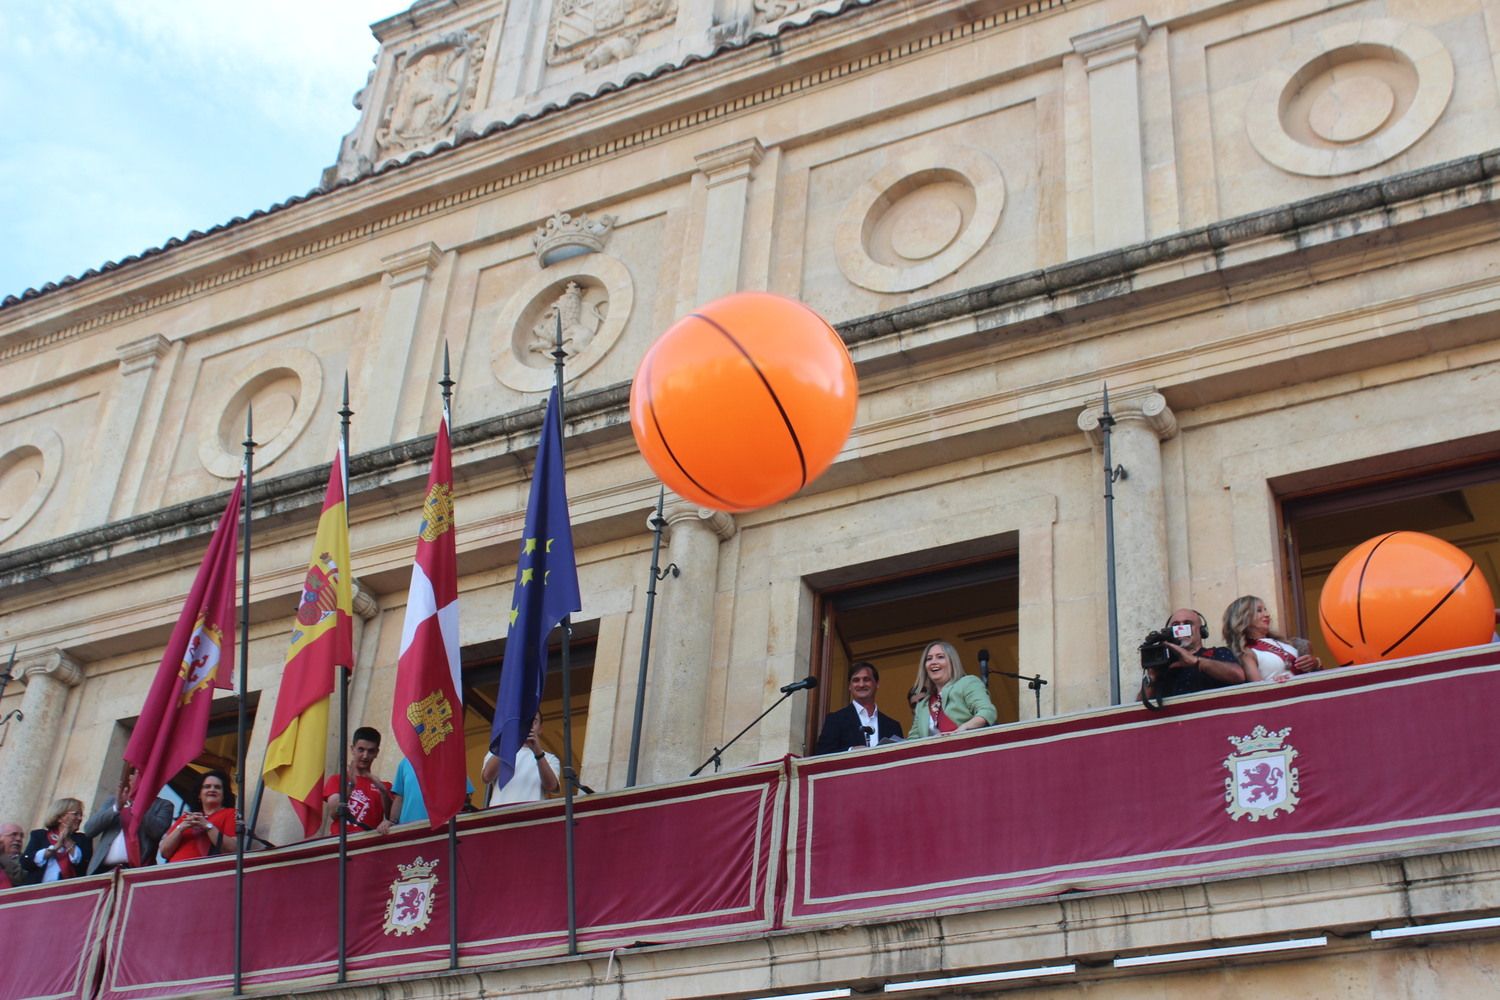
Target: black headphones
1202	624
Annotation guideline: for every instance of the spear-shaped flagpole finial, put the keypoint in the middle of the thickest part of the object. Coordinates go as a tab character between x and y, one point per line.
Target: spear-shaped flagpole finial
447	383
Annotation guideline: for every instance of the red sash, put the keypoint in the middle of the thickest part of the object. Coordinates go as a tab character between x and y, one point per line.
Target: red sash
1270	647
938	719
65	867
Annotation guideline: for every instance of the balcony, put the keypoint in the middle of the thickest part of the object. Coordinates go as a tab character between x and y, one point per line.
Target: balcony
872	866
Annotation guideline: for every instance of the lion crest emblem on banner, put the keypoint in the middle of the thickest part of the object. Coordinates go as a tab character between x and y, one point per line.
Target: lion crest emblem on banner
1262	781
200	660
410	907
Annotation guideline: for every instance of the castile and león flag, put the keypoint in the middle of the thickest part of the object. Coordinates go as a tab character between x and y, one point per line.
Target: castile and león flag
427	714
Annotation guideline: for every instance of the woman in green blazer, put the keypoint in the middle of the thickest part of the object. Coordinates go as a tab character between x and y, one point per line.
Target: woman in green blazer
946	699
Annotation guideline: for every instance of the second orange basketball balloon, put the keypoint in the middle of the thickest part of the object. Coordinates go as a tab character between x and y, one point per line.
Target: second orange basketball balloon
744	401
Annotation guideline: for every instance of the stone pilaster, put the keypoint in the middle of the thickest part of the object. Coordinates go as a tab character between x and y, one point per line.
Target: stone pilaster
118	426
26	760
397	341
727	172
1111	58
1142	421
683	643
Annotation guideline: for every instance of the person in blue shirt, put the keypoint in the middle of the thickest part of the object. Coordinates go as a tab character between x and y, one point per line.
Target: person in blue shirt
407	805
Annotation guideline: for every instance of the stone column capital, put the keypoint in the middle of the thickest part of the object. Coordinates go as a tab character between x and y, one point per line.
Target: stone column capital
1112	43
411	265
143	354
679	511
51	663
1143	406
732	162
366	605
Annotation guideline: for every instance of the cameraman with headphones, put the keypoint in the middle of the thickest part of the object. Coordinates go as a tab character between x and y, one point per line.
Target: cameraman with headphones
1194	667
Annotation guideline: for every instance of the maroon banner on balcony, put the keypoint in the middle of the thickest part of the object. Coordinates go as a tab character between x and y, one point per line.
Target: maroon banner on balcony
670	863
1339	764
50	936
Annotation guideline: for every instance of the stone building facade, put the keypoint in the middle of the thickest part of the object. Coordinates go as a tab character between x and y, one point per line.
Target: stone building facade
1268	227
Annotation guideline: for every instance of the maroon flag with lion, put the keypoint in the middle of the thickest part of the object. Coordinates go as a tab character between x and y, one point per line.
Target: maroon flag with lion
199	658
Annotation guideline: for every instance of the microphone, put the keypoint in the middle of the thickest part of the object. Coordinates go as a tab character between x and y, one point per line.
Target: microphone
984	666
805	684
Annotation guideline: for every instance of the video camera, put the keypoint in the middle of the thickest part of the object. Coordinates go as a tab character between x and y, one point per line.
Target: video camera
1155	653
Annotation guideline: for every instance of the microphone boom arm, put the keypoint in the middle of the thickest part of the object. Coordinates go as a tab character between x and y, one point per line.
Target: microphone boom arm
1034	682
715	757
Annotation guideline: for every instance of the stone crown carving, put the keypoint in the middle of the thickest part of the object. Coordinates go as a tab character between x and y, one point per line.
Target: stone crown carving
566	235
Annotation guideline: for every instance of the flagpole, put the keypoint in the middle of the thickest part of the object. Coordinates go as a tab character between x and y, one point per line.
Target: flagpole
570	779
239	801
1106	426
447	383
343	681
658	522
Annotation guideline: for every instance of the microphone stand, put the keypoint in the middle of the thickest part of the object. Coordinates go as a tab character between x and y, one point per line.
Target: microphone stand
1035	683
714	759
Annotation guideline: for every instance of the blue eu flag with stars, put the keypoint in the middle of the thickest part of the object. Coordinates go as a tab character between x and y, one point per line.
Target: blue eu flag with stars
546	593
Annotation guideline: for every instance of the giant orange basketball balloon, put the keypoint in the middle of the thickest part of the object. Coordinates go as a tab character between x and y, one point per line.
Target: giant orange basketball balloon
1403	594
744	401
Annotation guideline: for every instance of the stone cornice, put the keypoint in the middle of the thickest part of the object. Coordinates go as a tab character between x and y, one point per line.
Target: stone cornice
1466	185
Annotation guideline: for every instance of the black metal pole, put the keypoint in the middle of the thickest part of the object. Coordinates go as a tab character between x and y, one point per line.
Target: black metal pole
447	383
239	801
570	779
5	675
1106	425
5	680
343	681
658	522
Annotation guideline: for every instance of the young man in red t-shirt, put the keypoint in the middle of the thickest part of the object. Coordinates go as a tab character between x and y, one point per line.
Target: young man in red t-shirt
369	797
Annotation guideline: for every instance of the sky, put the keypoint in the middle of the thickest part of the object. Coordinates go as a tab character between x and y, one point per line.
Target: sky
128	122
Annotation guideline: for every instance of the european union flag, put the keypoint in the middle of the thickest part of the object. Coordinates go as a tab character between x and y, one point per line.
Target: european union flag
546	593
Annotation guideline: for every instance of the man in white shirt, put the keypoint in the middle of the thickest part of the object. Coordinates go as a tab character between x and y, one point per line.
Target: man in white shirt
536	771
860	723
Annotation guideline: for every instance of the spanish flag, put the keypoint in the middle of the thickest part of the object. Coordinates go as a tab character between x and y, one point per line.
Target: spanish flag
322	640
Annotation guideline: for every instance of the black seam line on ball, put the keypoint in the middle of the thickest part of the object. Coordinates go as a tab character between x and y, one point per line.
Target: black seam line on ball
792	431
1359	591
1332	631
651	407
1451	591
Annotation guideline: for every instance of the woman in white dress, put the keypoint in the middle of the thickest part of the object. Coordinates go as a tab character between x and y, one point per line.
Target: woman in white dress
1266	655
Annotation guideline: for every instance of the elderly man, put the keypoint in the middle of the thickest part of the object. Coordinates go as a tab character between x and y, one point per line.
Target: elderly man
1194	667
860	723
11	872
